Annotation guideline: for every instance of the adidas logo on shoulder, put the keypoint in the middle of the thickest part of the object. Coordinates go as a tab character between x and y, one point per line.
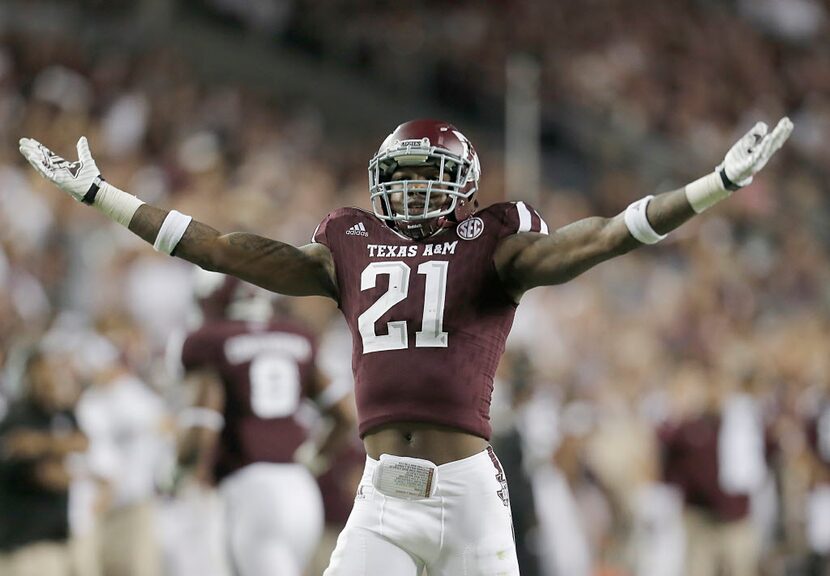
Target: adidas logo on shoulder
358	230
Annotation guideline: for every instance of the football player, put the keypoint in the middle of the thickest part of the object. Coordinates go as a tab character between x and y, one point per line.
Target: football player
249	373
428	284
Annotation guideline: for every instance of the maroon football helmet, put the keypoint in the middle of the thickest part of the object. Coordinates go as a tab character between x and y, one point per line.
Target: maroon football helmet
424	143
222	297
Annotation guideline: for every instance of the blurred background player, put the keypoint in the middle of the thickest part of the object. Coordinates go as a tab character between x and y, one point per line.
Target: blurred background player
714	451
128	426
250	373
37	436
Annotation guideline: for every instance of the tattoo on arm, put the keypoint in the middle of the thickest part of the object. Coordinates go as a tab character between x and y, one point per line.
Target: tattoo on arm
260	245
251	250
274	265
255	259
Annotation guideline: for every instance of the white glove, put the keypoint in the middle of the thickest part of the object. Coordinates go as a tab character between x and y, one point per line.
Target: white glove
742	162
80	179
751	153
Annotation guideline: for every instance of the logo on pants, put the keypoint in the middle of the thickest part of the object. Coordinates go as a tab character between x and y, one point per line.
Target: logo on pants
500	477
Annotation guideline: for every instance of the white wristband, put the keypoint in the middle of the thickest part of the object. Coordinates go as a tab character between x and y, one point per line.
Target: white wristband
116	203
201	417
171	231
705	192
638	224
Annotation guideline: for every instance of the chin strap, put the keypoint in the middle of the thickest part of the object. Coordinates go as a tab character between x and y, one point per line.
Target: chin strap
420	230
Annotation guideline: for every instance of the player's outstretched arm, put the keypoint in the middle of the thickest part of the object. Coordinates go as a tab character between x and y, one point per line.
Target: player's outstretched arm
274	265
528	260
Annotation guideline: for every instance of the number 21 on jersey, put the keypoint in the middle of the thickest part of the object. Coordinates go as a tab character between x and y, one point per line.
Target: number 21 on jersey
431	334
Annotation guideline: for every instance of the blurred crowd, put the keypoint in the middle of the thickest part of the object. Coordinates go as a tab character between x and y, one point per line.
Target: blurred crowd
688	70
666	413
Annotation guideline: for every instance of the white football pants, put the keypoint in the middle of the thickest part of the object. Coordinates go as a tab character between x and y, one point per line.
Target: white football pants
273	519
464	528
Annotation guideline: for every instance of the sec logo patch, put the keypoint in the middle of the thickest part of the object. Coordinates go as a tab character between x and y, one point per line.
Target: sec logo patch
471	228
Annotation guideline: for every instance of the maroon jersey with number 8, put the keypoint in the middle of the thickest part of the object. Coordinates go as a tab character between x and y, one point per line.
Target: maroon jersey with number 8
266	370
428	319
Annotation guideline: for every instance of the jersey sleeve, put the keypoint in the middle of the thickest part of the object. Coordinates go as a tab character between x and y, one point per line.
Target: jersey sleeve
521	217
320	235
331	231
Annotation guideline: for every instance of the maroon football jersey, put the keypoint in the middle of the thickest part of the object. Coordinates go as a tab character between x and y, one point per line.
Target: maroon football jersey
266	370
428	319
